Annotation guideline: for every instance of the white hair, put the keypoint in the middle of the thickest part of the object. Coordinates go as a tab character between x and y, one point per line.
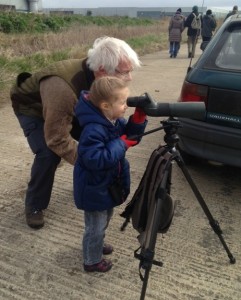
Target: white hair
107	52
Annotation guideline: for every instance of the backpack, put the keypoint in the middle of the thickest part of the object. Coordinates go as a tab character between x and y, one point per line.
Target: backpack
143	204
196	22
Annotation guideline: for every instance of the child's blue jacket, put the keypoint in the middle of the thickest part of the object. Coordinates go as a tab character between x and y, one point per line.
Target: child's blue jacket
101	156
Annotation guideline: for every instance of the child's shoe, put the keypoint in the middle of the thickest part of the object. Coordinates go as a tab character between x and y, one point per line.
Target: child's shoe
103	266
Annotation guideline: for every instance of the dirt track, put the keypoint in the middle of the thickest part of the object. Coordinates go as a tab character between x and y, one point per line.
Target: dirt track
47	264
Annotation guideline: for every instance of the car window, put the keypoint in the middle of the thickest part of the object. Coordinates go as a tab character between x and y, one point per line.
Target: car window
229	56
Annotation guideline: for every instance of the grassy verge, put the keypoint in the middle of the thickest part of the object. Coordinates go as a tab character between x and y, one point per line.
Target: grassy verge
29	42
30	52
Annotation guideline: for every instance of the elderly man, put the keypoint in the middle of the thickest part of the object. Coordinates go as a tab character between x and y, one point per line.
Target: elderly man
44	105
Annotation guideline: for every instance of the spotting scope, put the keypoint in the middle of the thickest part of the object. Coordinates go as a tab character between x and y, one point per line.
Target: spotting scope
192	110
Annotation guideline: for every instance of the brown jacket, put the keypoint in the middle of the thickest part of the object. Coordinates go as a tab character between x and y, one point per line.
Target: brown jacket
51	94
176	27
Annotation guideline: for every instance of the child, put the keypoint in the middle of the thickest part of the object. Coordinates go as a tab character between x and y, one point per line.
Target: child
101	170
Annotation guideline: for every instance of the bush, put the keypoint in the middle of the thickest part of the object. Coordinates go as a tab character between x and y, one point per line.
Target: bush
31	23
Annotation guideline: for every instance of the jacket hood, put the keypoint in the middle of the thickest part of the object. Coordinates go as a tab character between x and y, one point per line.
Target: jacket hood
87	113
178	17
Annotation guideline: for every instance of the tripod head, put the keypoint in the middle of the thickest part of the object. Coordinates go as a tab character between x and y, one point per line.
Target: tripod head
170	127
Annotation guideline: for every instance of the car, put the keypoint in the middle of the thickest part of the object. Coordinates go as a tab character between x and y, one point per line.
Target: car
215	79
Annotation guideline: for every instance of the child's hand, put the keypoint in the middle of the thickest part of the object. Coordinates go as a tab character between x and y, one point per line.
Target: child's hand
128	143
139	116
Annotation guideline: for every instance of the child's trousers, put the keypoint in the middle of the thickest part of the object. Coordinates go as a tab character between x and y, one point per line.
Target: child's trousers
96	223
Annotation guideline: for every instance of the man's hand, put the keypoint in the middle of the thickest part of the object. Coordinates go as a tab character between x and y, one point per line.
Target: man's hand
128	143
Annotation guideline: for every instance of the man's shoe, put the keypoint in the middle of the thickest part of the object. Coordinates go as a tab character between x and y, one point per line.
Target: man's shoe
103	266
107	249
34	218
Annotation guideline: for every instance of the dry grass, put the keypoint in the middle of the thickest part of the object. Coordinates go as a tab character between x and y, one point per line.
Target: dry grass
17	49
81	37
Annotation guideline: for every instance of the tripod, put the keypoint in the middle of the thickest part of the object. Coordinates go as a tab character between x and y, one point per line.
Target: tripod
146	255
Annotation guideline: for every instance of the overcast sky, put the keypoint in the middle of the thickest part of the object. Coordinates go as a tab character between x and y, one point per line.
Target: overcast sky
135	3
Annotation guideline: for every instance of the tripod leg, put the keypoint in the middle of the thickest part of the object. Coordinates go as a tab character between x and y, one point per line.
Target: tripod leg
214	224
144	285
147	252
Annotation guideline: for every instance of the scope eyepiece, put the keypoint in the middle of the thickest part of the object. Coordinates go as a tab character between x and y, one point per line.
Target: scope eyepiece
139	101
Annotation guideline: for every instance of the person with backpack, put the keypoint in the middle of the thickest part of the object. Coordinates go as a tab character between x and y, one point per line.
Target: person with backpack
233	12
193	23
208	26
101	171
175	28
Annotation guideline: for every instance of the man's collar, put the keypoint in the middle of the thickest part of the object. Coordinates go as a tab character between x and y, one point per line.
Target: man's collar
90	77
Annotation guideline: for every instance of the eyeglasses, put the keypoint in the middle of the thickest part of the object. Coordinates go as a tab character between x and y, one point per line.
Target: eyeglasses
124	73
